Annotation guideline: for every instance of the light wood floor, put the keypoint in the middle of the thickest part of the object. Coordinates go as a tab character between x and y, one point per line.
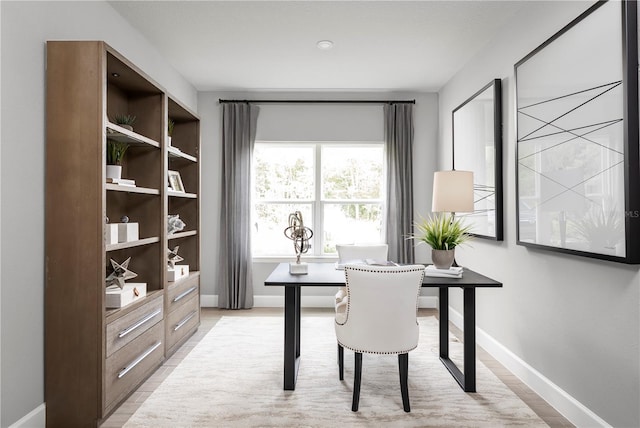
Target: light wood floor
210	317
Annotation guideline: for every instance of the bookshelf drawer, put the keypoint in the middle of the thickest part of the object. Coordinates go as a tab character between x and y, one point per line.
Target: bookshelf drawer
181	291
182	321
125	329
128	367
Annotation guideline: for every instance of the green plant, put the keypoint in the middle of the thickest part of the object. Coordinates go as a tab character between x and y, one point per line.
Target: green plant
116	151
170	125
125	119
442	232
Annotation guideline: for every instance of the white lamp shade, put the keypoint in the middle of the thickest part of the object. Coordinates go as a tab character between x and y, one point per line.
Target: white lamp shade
452	191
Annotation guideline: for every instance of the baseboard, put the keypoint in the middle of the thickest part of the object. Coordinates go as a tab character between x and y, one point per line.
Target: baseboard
211	301
34	419
577	413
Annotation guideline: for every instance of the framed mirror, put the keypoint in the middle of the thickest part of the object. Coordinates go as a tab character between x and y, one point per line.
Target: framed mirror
477	147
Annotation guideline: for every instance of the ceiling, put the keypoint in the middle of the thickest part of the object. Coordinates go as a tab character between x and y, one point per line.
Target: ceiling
271	45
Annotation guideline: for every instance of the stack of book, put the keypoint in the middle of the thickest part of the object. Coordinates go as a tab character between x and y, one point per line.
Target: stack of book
452	272
122	181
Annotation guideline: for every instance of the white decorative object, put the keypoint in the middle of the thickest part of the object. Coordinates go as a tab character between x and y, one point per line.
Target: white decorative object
173	257
117	297
177	272
120	273
300	235
174	224
111	233
127	232
114	172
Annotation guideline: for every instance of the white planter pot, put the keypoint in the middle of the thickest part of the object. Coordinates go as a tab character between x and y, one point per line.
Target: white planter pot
114	171
168	141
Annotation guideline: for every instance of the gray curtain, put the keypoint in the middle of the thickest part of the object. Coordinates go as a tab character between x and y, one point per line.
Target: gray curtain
398	131
235	290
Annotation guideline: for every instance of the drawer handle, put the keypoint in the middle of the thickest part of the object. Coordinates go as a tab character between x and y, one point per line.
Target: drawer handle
183	294
184	321
137	361
129	329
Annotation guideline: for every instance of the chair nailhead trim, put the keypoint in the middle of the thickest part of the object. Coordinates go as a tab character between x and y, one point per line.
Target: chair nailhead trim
376	352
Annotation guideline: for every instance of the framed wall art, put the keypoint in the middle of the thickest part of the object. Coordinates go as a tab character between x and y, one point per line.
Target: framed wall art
477	147
578	179
175	181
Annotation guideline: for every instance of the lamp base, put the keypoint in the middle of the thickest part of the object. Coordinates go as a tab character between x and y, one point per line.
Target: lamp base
298	268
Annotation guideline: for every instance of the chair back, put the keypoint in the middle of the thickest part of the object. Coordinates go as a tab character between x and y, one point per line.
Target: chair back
349	253
381	315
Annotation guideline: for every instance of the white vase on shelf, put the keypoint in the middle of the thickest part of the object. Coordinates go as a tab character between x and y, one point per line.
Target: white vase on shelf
114	171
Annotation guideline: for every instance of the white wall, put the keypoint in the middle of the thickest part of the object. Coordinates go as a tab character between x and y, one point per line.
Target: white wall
26	26
574	320
309	122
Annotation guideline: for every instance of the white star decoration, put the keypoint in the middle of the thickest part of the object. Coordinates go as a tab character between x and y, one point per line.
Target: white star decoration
173	257
120	273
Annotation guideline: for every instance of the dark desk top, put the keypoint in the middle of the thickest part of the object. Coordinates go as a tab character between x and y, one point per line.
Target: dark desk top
325	274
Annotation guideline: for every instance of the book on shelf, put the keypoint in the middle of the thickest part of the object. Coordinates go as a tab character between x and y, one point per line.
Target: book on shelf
122	181
452	272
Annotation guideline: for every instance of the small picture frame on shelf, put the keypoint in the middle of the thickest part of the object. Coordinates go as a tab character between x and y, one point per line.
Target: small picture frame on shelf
175	182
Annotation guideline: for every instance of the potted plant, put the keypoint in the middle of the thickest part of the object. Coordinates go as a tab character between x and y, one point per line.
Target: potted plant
170	125
115	155
125	120
443	233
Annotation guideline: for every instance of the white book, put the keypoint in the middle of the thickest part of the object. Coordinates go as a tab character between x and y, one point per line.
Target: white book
442	275
453	270
122	181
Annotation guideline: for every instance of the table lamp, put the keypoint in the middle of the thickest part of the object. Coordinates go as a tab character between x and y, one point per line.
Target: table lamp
452	191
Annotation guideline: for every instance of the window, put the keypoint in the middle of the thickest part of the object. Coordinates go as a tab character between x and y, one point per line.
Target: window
338	188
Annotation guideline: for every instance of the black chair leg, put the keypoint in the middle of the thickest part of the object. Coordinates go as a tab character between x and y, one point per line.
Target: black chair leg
403	364
356	382
341	361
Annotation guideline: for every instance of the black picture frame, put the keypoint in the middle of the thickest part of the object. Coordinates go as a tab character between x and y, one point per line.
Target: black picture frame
477	147
577	155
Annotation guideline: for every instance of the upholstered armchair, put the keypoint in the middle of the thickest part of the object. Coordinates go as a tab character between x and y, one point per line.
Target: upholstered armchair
379	316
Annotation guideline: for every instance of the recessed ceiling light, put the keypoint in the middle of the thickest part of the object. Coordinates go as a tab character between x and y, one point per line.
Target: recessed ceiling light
115	74
324	44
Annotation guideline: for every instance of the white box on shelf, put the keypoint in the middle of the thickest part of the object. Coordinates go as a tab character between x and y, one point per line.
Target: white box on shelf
127	232
132	291
111	233
178	272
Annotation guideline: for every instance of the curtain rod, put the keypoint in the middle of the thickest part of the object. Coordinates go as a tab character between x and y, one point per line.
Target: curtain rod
221	101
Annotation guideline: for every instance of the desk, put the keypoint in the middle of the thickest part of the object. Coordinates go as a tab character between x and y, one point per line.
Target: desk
326	275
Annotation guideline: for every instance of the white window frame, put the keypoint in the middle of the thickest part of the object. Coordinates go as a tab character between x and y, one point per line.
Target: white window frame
317	204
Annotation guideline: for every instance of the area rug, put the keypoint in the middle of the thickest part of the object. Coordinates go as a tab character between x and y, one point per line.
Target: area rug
234	378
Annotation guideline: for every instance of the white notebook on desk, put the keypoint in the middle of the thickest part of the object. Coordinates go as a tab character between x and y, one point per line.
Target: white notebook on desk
370	262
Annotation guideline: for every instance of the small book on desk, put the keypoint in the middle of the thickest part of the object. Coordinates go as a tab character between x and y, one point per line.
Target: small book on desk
370	262
452	272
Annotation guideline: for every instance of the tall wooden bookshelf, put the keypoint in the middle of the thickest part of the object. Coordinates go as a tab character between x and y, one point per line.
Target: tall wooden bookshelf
96	356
